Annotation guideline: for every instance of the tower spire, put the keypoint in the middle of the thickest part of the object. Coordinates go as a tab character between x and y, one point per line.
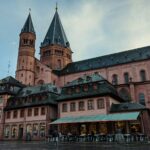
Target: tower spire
28	26
56	33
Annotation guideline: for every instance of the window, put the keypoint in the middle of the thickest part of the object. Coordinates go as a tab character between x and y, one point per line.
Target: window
1	99
81	106
15	114
29	112
36	111
47	53
8	115
64	107
126	77
77	89
85	88
25	41
100	104
38	69
22	75
59	63
143	75
72	106
21	113
115	79
0	113
90	104
42	111
142	98
95	86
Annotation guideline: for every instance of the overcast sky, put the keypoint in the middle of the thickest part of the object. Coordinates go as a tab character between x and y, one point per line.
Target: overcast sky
93	27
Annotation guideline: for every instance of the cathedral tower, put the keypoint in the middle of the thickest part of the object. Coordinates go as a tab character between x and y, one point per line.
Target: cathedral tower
55	50
26	61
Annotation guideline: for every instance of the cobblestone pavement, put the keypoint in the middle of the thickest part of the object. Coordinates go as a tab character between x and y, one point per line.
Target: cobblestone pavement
71	146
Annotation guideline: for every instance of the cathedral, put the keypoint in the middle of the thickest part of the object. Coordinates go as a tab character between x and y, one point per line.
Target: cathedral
97	95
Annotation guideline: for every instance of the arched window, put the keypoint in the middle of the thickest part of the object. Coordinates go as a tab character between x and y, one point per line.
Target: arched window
142	98
126	77
59	63
115	79
143	75
38	69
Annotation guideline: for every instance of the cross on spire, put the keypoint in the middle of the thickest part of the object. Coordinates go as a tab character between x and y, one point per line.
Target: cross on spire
29	10
56	6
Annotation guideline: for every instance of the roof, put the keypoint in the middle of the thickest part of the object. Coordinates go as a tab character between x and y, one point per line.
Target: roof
31	96
124	57
12	81
28	26
33	90
86	79
126	107
55	33
99	117
103	88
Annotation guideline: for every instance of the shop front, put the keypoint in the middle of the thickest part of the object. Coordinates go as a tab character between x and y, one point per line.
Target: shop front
100	124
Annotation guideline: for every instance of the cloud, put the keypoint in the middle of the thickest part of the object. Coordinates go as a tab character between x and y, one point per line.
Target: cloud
93	28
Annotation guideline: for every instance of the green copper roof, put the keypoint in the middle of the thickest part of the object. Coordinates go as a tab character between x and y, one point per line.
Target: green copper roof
103	88
34	96
33	90
55	33
28	26
86	79
97	118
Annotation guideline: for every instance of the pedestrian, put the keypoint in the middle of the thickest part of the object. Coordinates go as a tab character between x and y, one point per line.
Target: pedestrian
55	137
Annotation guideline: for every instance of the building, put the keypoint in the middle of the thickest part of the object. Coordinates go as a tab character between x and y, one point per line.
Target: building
95	95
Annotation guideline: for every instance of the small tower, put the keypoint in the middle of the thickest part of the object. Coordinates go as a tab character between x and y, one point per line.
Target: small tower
25	72
55	50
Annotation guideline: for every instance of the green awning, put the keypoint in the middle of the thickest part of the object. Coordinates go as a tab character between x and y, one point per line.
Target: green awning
97	118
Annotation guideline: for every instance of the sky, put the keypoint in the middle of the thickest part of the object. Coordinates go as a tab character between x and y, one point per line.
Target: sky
93	27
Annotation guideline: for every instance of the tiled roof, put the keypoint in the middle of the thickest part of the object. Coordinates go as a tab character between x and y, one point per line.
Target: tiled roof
21	100
12	81
55	33
28	26
33	90
104	88
124	57
126	107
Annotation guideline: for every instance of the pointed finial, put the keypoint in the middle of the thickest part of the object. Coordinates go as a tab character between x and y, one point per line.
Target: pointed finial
56	6
29	10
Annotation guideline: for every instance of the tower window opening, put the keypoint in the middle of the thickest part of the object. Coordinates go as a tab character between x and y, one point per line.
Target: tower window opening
59	63
25	41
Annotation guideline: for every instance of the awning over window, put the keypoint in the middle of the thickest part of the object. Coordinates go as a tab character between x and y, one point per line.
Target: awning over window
97	118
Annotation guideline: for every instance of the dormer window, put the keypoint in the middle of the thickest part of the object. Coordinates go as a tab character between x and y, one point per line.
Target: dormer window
85	88
69	91
95	86
88	78
77	89
80	80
